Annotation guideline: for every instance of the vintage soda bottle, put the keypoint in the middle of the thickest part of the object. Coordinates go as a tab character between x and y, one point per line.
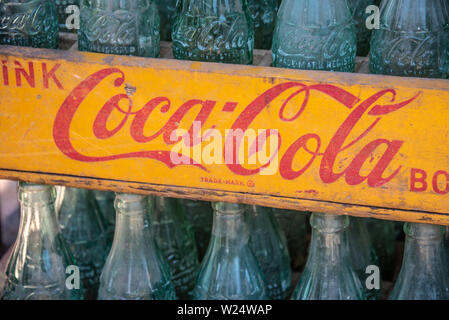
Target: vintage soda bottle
213	31
423	274
105	201
263	15
382	235
29	23
413	39
200	215
230	270
315	35
84	230
123	27
174	236
135	268
67	11
38	265
270	248
363	255
294	226
167	10
329	274
358	9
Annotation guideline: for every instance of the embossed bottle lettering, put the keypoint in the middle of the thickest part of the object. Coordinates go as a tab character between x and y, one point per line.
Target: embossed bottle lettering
307	37
29	23
130	28
216	33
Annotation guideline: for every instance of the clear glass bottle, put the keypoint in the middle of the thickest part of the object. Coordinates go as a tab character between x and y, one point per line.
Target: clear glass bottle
213	31
423	274
362	255
263	14
230	270
123	27
383	236
315	35
135	268
84	230
29	23
36	268
413	39
167	10
294	227
200	215
61	7
329	274
175	238
270	248
358	9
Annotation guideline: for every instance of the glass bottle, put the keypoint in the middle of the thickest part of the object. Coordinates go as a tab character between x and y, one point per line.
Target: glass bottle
315	35
263	15
423	274
174	236
382	234
294	227
135	268
36	268
230	270
105	201
358	9
63	15
167	10
123	27
270	248
329	274
29	23
84	230
362	254
200	215
213	31
413	39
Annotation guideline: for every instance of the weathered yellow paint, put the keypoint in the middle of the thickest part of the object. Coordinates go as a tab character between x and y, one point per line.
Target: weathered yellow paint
419	130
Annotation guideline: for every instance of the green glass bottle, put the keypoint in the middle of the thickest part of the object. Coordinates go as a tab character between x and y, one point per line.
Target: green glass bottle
310	37
329	274
413	39
294	227
167	10
213	31
270	248
383	236
29	23
200	215
174	236
230	270
362	255
123	27
84	230
358	9
37	266
135	268
263	14
105	201
423	274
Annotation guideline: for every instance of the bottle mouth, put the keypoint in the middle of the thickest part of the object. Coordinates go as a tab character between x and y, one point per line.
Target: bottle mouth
329	223
33	192
422	231
29	186
128	202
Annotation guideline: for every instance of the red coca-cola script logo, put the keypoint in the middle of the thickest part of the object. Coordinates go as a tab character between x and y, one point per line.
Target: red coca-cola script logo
138	117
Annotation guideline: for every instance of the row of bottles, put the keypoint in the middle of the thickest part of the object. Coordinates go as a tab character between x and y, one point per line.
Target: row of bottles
247	257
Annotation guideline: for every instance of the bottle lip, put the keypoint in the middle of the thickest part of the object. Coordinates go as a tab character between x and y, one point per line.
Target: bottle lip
423	231
329	223
30	186
229	208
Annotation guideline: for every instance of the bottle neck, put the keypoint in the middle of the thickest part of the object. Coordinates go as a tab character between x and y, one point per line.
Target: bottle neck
229	228
329	244
424	246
